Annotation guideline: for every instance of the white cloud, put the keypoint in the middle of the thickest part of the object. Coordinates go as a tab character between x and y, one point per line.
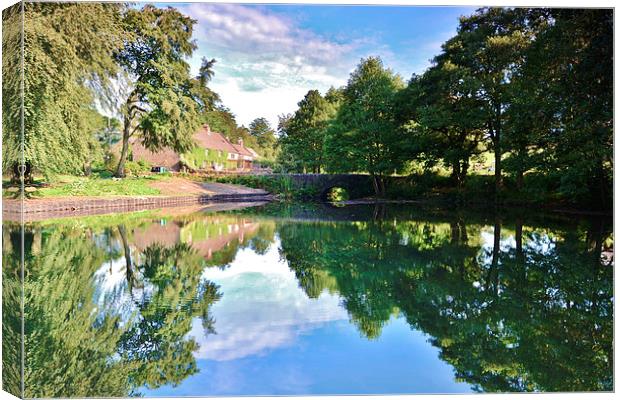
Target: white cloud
265	62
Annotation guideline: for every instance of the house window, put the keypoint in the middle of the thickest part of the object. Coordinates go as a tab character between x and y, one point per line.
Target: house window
219	153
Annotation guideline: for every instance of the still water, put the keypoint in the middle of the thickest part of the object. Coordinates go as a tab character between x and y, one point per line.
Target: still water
309	299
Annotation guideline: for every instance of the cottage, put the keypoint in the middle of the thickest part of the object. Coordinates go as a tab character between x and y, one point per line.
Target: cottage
213	152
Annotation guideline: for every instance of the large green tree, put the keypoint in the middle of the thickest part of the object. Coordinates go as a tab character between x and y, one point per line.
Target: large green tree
365	136
160	107
565	99
489	48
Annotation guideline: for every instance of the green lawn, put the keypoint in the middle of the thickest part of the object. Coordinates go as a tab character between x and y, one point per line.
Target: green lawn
96	185
83	186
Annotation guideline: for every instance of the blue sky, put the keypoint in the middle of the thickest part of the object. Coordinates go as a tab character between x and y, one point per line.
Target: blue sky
269	56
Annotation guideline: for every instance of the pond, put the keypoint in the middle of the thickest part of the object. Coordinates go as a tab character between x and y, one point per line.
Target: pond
309	299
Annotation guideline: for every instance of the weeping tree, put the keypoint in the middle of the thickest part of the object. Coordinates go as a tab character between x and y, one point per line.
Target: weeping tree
67	66
159	105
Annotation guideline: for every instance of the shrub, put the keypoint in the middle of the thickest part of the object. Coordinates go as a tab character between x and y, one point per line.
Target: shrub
139	168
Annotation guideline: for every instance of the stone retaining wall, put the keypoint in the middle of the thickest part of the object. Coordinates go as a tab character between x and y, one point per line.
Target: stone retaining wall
54	208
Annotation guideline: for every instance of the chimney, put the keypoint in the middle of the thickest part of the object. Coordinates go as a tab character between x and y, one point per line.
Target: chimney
240	142
206	126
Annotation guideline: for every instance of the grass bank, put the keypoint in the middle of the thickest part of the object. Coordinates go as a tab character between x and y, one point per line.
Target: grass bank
98	184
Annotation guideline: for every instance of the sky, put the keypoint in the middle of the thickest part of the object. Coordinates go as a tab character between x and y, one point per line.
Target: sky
269	56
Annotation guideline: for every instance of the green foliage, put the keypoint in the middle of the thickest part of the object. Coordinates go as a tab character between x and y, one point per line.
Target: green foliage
338	194
203	95
533	86
303	134
365	135
137	168
200	158
565	104
79	342
435	271
265	138
278	185
67	64
443	118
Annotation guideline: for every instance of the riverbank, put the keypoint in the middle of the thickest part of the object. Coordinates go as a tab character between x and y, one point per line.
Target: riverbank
174	192
478	191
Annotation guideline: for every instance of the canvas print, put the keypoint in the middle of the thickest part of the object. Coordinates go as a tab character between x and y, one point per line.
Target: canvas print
222	199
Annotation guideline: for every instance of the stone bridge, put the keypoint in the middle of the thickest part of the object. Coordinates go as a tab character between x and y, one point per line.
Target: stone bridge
357	185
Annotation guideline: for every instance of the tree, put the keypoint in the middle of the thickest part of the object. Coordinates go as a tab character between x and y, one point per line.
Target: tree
566	99
303	137
67	66
365	136
259	127
261	130
160	106
489	47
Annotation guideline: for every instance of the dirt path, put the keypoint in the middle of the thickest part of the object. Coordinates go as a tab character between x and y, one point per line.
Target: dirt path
180	186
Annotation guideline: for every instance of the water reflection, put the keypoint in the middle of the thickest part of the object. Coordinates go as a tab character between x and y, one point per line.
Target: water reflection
192	304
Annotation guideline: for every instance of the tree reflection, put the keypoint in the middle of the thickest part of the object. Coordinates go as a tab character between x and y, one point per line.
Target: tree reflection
106	313
156	343
522	310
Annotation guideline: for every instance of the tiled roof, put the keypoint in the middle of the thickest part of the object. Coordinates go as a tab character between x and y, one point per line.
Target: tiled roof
213	140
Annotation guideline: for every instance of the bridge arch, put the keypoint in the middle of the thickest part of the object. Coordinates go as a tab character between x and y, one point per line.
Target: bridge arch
357	186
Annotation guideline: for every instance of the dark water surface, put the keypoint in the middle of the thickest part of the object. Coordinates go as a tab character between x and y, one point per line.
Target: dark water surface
311	299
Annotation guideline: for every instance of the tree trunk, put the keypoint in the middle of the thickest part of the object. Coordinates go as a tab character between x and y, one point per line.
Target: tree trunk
493	275
519	238
463	172
498	165
456	172
520	179
88	170
382	186
120	169
498	151
375	184
128	264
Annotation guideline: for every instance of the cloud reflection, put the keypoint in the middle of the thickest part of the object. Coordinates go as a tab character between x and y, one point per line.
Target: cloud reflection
262	308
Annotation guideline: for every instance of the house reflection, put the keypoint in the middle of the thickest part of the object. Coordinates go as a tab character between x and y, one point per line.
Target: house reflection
206	236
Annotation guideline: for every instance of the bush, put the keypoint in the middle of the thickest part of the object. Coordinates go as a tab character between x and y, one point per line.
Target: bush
139	168
111	162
